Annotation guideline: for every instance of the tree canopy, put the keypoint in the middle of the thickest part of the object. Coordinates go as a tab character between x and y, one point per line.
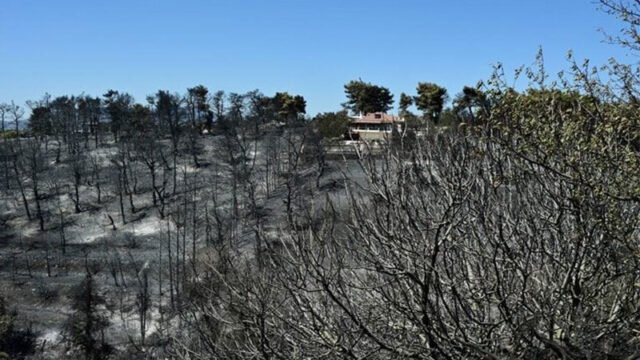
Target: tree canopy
331	124
471	104
289	106
405	102
430	100
363	97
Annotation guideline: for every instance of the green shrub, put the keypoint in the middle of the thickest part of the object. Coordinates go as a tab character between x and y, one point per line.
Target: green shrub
331	124
8	134
14	343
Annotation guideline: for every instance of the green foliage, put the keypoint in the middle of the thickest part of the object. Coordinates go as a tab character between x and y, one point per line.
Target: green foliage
199	101
168	114
86	324
13	343
40	121
430	100
363	97
63	115
118	107
583	134
89	108
596	143
289	106
141	121
405	102
200	95
413	122
472	105
261	107
449	118
8	134
331	124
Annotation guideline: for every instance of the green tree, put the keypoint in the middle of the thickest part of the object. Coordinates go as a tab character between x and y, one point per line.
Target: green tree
430	100
471	105
89	110
169	116
412	121
218	105
363	97
86	325
199	116
199	107
64	120
405	102
141	124
331	124
118	107
40	121
289	106
260	109
448	117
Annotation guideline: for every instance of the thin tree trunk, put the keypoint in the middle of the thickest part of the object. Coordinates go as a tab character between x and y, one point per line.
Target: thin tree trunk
160	291
175	170
21	187
48	260
63	237
177	264
194	228
127	189
170	267
36	196
120	197
76	186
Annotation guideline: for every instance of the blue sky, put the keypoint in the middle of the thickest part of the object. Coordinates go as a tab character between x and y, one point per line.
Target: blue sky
304	47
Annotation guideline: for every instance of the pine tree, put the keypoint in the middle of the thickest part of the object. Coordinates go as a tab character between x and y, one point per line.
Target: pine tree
86	325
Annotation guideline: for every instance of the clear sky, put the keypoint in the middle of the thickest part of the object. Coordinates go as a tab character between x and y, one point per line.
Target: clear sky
304	47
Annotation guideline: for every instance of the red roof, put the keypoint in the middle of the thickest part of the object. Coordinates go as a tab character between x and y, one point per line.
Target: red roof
376	118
